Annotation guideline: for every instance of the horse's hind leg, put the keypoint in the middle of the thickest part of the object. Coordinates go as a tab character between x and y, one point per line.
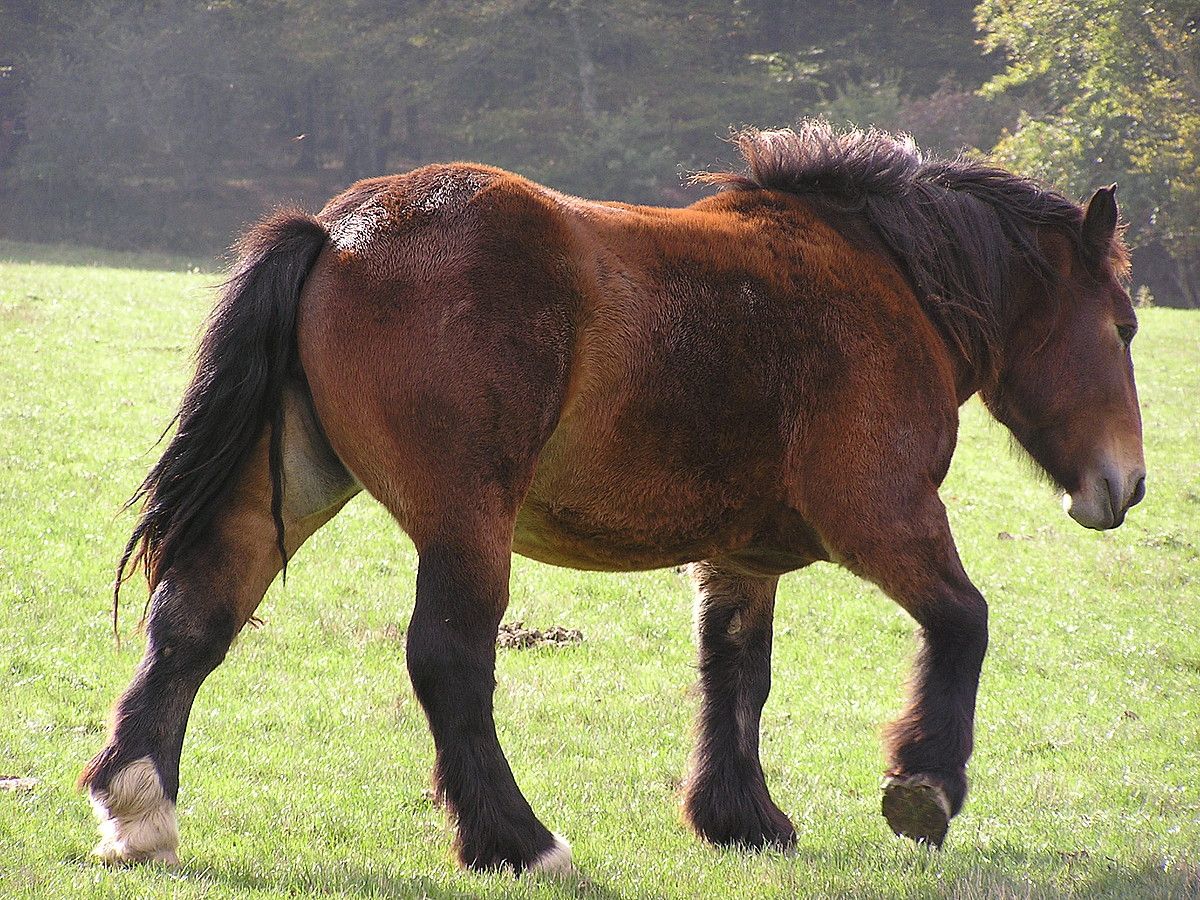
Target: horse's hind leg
727	801
462	592
453	469
439	389
199	605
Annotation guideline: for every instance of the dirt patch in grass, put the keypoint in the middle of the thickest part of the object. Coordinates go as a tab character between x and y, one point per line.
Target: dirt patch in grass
18	783
515	636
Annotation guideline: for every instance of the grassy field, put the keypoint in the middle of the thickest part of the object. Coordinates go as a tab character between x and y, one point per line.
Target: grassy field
306	766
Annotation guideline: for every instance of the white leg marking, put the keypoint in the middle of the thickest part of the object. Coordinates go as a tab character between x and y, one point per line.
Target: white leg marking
555	861
137	821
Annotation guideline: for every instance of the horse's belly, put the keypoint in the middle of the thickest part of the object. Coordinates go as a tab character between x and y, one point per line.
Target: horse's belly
563	540
561	536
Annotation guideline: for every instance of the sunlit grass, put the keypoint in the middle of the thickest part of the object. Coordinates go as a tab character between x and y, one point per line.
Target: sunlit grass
306	763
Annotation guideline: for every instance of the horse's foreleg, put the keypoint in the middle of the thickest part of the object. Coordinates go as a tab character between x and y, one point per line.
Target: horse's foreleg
462	592
197	608
726	799
928	747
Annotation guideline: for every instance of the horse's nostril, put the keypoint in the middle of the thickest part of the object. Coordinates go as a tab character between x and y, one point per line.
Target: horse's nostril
1139	492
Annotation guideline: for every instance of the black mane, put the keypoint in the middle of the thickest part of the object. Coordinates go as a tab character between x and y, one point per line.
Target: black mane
955	225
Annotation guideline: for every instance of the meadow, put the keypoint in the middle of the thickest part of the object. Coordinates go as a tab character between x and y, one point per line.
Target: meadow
305	771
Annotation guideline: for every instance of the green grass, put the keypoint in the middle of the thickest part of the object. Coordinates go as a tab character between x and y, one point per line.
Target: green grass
307	757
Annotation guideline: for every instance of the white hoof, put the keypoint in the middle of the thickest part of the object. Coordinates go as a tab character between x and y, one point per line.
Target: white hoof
556	861
137	821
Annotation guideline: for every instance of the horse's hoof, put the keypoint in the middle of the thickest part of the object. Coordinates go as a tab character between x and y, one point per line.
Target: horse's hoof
137	821
739	816
916	807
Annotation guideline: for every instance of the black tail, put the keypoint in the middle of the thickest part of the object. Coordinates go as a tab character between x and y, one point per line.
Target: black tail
242	366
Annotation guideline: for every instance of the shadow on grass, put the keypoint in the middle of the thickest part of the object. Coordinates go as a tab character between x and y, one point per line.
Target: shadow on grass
1009	872
1118	882
1006	873
351	880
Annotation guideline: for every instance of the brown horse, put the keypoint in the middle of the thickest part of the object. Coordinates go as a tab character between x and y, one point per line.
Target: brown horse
767	378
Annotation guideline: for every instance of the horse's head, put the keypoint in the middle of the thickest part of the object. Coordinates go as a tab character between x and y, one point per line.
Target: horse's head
1065	387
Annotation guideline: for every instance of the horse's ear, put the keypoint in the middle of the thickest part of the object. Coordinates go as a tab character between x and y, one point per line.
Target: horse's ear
1100	222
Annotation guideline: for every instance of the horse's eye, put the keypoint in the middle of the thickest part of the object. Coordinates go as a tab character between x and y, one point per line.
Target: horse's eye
1127	332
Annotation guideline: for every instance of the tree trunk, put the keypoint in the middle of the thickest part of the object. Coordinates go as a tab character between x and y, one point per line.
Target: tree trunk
383	139
587	68
1187	277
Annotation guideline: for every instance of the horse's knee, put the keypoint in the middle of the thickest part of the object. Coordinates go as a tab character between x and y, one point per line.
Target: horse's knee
452	677
429	658
956	622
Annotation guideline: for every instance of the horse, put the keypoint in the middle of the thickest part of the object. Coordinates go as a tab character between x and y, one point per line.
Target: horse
767	378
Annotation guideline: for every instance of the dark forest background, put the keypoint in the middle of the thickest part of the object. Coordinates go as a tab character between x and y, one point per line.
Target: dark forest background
170	124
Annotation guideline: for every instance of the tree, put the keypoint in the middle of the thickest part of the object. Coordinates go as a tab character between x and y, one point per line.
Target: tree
1111	90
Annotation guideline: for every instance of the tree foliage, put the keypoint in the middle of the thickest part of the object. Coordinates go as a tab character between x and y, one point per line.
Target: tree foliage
1110	91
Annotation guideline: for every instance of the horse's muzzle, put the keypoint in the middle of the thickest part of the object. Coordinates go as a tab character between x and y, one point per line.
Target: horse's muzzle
1105	498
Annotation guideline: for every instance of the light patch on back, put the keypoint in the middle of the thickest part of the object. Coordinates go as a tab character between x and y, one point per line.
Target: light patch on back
137	820
434	194
451	192
360	228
